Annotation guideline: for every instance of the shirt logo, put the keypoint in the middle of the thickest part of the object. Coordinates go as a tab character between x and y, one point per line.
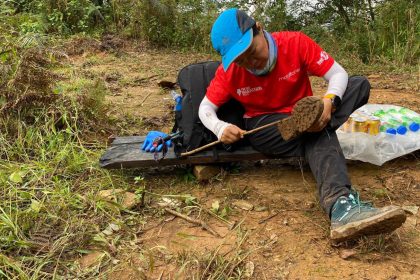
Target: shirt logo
324	56
290	74
245	91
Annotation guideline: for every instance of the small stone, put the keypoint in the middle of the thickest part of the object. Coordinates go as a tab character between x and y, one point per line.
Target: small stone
205	172
249	269
244	205
114	227
285	222
260	208
127	199
347	253
169	202
273	237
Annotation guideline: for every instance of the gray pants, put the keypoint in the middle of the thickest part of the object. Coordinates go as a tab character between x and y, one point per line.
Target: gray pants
321	149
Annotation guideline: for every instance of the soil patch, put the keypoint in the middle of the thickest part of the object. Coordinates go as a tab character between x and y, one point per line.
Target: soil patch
293	244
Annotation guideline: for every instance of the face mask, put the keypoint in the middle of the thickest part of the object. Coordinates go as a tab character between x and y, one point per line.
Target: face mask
272	58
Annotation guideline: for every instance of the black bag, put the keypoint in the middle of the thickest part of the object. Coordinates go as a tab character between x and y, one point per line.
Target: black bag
193	81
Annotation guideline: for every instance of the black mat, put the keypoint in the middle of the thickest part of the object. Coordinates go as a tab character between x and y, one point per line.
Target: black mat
125	152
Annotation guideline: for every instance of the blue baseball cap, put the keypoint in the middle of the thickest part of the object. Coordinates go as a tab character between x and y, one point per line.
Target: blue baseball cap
231	35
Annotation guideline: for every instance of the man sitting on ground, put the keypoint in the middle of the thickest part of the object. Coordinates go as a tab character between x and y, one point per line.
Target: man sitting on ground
268	73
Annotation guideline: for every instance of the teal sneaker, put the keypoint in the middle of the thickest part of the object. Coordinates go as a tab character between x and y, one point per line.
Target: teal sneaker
352	218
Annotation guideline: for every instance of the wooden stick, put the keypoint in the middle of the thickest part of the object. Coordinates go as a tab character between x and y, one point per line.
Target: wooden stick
144	99
268	218
218	141
194	221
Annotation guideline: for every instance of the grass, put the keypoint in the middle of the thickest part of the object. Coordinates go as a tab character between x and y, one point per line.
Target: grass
215	264
50	214
46	192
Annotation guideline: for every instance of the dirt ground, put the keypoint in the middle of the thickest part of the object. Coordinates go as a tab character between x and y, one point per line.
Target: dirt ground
294	244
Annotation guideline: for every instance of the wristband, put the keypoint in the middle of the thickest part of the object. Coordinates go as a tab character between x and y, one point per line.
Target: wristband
335	100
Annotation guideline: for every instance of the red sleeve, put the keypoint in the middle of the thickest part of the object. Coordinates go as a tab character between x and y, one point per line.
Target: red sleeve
317	61
218	90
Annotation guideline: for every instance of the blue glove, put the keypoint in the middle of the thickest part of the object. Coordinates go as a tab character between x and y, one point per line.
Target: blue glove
150	138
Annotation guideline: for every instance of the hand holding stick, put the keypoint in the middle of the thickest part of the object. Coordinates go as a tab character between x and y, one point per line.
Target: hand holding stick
218	141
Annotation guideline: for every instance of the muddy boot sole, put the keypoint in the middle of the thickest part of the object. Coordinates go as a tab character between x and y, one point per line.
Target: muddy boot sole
305	113
390	219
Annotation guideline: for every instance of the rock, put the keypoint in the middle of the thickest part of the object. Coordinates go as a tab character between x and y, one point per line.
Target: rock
249	269
114	227
244	205
110	229
205	172
169	202
127	199
347	253
274	237
90	259
261	208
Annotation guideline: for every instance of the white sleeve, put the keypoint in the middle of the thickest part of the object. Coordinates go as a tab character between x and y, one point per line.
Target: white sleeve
337	79
207	115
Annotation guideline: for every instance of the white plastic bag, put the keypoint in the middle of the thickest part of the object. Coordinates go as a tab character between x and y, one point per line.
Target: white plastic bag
377	149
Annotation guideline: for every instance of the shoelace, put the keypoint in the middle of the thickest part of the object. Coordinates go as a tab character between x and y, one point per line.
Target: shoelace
356	200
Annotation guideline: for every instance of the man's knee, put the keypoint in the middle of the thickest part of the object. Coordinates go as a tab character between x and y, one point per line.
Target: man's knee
361	86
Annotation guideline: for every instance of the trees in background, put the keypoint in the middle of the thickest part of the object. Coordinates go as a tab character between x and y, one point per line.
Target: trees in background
369	29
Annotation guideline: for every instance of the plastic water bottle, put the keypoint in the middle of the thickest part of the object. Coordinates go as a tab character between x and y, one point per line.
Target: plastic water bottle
408	116
404	120
389	124
178	100
411	114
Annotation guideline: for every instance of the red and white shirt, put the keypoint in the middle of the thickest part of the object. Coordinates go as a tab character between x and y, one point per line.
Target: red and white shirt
298	57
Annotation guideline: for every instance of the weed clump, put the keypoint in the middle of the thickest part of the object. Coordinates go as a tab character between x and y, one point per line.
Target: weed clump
48	177
30	91
27	81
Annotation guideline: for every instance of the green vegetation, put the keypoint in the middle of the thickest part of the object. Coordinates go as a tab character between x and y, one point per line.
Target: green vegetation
367	29
53	121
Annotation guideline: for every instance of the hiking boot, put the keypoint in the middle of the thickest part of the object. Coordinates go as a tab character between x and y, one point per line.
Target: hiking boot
352	218
305	113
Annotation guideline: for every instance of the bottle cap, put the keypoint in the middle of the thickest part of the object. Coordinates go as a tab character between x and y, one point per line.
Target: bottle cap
414	126
175	94
178	105
391	131
401	130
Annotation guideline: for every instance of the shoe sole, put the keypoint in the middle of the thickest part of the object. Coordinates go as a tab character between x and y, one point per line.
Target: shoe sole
305	113
389	220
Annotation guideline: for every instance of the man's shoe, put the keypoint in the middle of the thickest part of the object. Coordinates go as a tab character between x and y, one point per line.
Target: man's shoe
305	113
352	218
